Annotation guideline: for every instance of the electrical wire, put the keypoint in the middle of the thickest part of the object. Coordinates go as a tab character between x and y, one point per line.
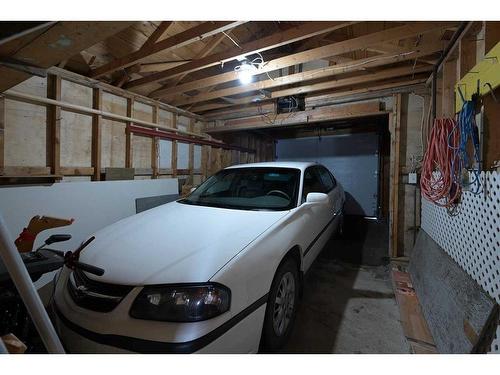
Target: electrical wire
468	135
439	167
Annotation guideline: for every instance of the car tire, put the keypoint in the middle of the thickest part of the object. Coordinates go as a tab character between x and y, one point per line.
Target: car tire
280	317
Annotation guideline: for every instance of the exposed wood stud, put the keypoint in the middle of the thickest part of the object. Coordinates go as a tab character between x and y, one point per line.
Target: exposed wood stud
128	135
191	154
174	148
96	134
448	90
467	56
54	125
155	145
395	130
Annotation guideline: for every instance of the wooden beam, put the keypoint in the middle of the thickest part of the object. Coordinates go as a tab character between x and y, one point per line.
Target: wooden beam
370	62
128	135
60	42
184	38
33	99
157	34
54	125
295	33
466	56
311	101
209	47
191	154
449	80
324	99
90	82
338	48
395	130
369	77
174	148
155	145
329	113
96	134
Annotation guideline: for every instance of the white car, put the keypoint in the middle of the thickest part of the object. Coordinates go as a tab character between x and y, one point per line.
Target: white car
216	272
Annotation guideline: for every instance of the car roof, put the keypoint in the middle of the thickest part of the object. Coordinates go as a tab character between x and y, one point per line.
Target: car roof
302	165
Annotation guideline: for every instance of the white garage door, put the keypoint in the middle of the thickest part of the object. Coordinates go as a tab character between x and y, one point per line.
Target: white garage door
353	159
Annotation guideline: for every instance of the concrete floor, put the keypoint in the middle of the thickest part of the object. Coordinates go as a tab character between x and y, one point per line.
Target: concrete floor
349	308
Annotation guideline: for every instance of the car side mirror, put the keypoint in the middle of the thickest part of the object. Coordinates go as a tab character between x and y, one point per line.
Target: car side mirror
57	238
317	198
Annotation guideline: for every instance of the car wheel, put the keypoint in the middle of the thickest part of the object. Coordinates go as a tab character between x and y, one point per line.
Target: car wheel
281	306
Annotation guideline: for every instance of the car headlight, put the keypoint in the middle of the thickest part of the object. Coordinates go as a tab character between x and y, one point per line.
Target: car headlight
181	303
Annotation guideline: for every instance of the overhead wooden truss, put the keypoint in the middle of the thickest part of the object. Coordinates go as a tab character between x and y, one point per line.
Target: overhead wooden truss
190	65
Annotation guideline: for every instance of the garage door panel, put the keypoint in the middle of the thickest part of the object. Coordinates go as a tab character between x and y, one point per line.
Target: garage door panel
353	159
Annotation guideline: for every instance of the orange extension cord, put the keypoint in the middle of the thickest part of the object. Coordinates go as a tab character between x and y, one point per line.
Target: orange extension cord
441	157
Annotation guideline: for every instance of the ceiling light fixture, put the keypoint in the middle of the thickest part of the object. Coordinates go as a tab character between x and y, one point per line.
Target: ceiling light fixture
245	72
247	69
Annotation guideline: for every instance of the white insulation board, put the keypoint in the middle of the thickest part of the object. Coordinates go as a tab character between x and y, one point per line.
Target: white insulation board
93	205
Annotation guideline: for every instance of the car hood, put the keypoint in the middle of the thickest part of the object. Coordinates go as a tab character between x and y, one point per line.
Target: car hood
174	243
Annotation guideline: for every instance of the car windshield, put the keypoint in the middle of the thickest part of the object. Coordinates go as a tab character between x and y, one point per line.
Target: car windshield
249	189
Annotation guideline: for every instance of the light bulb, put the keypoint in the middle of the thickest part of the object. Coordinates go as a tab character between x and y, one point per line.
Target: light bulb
245	77
245	73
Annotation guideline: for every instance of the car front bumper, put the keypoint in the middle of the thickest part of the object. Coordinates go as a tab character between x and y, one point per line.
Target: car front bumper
86	331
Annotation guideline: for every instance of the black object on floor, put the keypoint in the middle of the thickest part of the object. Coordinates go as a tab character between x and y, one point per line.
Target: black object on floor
364	241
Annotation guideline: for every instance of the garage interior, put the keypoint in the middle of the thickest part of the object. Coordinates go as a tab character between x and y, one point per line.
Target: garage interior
102	120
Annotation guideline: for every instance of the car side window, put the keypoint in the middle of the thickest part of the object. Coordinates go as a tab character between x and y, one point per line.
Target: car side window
312	183
326	179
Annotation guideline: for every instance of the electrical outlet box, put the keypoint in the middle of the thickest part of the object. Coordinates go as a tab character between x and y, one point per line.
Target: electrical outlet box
412	178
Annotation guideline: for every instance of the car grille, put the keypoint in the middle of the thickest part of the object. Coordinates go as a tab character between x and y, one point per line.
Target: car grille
95	295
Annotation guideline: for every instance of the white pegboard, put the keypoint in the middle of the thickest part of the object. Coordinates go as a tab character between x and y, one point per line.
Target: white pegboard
472	238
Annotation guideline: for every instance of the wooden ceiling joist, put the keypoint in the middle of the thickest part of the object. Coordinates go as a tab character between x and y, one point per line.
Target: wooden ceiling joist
293	34
370	62
58	43
186	37
157	34
329	113
310	101
370	77
337	48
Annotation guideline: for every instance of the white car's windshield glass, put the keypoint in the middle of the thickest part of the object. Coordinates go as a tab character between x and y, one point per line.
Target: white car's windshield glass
249	189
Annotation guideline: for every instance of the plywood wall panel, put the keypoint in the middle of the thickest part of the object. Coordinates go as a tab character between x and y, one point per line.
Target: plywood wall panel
25	134
76	94
114	104
141	152
112	144
76	139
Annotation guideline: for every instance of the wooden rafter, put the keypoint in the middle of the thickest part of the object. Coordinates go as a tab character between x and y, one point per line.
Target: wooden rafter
311	101
186	37
209	47
311	116
337	48
370	77
60	42
370	62
157	34
291	35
